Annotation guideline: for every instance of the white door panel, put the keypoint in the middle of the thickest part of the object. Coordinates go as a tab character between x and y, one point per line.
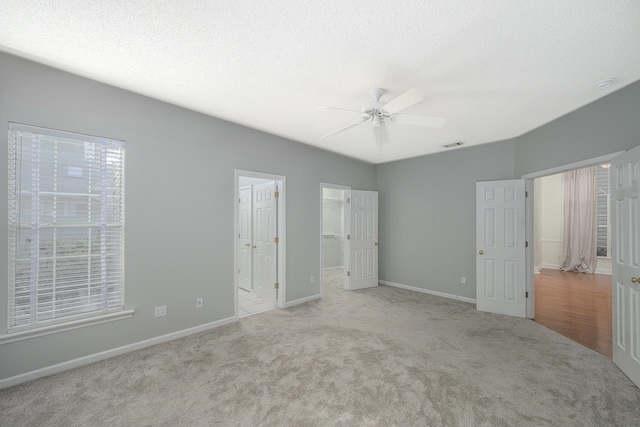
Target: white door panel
244	239
500	241
363	264
264	233
626	262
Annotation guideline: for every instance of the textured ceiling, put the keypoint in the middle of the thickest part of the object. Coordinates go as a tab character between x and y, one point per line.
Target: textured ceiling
495	69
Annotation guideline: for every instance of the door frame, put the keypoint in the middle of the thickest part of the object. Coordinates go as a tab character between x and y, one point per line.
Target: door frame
347	229
239	248
531	227
281	181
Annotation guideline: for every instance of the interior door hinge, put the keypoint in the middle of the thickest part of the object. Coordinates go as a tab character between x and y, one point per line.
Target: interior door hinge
239	201
349	273
276	240
348	236
526	194
238	235
276	285
526	244
238	271
276	194
348	199
526	294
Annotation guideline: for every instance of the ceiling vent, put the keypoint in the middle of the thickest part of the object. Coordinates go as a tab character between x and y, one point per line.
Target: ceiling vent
605	84
454	144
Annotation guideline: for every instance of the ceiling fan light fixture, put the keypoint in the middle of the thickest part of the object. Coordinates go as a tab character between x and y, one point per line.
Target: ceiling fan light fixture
376	121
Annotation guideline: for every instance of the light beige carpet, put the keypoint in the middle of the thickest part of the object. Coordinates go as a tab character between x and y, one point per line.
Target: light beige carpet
381	356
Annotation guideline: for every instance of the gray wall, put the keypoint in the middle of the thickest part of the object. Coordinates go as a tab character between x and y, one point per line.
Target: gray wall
605	126
427	216
179	204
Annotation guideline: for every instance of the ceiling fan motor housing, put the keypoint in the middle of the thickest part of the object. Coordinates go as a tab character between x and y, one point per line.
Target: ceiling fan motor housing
373	111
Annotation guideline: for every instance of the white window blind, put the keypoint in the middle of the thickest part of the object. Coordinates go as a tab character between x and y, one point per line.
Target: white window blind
66	226
603	186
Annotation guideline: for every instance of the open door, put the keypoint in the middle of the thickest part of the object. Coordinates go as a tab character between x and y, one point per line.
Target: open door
500	240
626	263
363	248
264	233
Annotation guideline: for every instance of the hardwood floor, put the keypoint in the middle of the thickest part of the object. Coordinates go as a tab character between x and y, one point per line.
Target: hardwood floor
577	306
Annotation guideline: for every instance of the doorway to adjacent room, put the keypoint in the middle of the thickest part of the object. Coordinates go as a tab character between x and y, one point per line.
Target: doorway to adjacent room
259	254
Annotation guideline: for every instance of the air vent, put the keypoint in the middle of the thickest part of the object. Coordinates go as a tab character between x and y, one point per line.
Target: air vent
454	144
605	84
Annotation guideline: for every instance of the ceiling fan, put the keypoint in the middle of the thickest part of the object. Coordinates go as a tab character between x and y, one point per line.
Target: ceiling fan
380	113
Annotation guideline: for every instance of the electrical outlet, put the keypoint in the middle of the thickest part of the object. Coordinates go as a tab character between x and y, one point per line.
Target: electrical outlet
463	281
161	311
312	279
199	302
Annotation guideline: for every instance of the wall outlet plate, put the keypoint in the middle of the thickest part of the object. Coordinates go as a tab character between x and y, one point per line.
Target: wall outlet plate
199	302
313	279
161	311
463	281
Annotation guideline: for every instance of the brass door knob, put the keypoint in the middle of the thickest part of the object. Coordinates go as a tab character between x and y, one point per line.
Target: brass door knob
481	252
376	243
248	244
254	246
635	280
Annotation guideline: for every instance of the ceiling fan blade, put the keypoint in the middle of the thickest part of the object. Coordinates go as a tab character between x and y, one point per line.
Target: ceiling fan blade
381	135
340	109
344	128
406	100
425	121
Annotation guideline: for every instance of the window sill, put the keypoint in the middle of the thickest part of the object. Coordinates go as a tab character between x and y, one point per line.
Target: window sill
67	326
604	257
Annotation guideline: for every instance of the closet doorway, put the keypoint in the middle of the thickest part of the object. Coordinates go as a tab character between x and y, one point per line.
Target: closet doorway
259	253
573	255
334	251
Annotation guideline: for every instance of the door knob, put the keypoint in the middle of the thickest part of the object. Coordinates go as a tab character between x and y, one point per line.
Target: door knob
254	246
481	252
248	244
376	243
635	280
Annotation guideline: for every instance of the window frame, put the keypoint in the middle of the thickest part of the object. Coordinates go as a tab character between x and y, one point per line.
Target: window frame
73	321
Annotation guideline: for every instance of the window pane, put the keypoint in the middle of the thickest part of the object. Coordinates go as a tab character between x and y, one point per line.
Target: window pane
603	185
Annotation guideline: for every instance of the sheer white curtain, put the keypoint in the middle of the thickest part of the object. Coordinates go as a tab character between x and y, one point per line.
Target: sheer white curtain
580	220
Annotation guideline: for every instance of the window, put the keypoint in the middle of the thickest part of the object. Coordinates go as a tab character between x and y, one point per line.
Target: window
66	227
603	188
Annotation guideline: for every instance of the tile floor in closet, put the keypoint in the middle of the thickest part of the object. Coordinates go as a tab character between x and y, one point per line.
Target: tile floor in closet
251	303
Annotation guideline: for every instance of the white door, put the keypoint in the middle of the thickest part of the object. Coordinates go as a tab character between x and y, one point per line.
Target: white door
244	239
500	246
264	233
363	262
626	263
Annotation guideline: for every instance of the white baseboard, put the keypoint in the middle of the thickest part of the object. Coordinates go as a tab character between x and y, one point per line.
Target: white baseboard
85	360
302	300
598	270
549	266
427	291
